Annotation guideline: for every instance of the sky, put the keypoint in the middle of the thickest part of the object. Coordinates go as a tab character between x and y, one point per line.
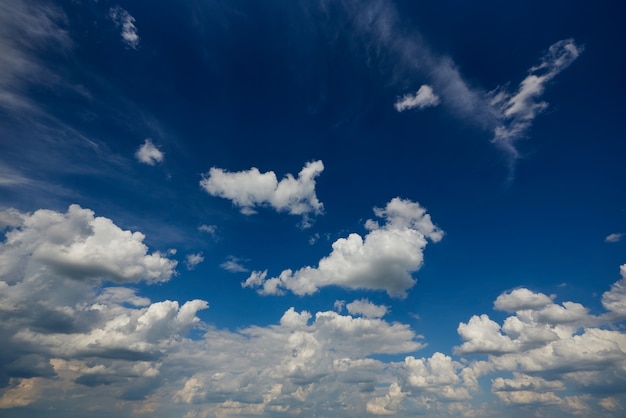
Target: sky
344	208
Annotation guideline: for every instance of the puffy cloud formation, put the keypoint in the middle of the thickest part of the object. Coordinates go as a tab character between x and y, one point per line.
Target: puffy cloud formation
614	300
149	154
73	333
551	349
424	97
366	308
519	299
383	260
126	22
80	246
251	188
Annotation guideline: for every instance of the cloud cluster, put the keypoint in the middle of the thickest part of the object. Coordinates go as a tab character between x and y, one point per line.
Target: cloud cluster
70	336
424	97
382	260
250	188
149	154
126	22
552	350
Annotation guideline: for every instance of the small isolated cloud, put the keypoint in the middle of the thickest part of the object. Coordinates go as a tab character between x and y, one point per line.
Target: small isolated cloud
149	154
383	260
613	238
209	229
192	260
366	309
126	22
234	265
424	97
251	188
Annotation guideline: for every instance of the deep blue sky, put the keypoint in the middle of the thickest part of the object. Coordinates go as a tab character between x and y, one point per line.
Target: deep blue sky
486	139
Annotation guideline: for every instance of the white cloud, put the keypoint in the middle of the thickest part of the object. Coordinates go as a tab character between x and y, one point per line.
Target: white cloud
79	245
192	260
250	189
424	97
233	264
67	342
366	308
126	22
520	299
437	375
518	110
383	260
613	238
614	300
149	154
481	335
508	115
209	229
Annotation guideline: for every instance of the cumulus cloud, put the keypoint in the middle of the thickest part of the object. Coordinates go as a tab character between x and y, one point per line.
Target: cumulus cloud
613	238
366	308
126	23
520	299
251	188
424	97
79	245
149	154
383	260
614	300
550	349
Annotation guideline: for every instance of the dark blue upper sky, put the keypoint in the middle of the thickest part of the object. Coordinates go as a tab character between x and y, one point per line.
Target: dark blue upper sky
248	140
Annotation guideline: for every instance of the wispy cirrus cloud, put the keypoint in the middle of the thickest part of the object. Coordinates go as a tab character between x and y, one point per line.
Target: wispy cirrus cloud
424	97
234	265
507	116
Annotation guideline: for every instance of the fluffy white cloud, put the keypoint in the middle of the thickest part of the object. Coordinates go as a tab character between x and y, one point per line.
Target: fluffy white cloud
126	22
383	260
520	299
424	97
149	154
614	300
78	245
251	188
366	308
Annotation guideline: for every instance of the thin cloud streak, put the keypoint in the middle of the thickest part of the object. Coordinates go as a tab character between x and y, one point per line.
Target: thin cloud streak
507	116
